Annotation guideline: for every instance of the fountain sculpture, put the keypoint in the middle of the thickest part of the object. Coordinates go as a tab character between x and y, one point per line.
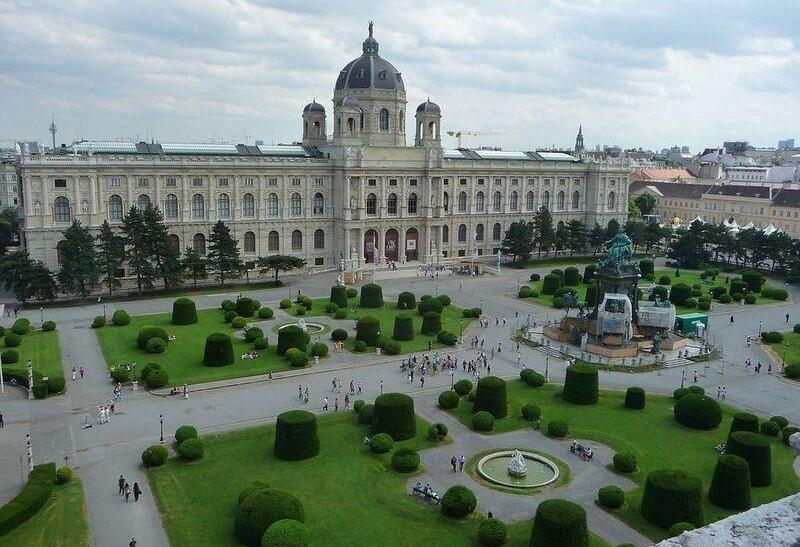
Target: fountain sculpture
517	466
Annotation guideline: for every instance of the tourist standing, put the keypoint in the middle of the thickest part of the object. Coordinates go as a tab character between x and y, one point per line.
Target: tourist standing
127	492
461	461
325	403
453	463
121	484
136	491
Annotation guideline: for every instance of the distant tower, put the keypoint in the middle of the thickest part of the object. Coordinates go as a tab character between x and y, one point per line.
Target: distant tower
428	124
53	130
314	132
579	147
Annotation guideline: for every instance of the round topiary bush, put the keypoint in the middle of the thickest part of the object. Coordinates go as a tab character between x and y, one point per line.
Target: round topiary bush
360	346
664	280
431	323
381	443
98	322
296	357
482	421
339	335
646	267
697	411
406	301
492	533
635	398
403	328
625	462
260	510
428	305
792	371
190	450
218	351
772	337
154	456
559	302
230	316
462	387
286	533
780	420
9	357
756	451
63	475
491	396
670	496
296	435
680	293
265	313
56	384
437	432
239	322
341	313
405	460
120	375
148	332
581	384
318	349
787	432
285	303
21	328
254	486
750	299
352	293
120	318
48	326
147	369
696	390
184	433
730	485
157	378
531	411
228	305
459	501
558	429
245	307
155	345
770	429
184	312
531	377
394	414
448	399
339	296
780	294
525	291
444	299
535	277
292	337
371	296
368	329
611	497
559	523
678	528
446	338
690	303
253	333
260	343
365	413
703	306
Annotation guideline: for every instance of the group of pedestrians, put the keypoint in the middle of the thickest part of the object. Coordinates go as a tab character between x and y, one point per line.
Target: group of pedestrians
457	463
124	489
78	371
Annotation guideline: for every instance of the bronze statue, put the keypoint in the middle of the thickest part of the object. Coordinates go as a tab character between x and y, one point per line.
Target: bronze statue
619	252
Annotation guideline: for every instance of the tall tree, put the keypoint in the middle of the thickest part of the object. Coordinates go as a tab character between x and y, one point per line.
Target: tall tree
646	203
138	251
596	238
223	252
194	265
43	282
80	270
27	278
635	230
279	263
561	239
633	208
577	236
165	256
518	241
543	232
611	229
110	256
689	248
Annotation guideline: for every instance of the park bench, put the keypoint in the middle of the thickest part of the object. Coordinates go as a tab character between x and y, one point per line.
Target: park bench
580	451
426	494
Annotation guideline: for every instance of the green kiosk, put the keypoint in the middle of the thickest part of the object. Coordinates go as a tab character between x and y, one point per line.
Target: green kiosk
687	323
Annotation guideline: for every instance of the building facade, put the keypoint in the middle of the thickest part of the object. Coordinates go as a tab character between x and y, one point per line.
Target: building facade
9	185
363	193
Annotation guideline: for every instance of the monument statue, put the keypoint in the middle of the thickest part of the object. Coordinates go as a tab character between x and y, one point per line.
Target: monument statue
302	324
656	344
517	467
619	252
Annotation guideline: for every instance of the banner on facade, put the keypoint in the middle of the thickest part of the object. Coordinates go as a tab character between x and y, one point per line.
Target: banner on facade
411	245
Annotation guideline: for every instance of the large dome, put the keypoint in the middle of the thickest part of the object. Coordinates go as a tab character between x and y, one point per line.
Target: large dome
370	70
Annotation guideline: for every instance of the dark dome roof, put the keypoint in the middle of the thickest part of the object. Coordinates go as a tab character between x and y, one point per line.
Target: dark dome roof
314	106
370	70
429	106
351	102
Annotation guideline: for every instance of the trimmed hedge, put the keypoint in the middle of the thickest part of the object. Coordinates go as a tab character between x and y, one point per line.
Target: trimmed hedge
229	316
770	429
447	338
155	345
339	335
366	414
431	323
492	533
437	432
120	318
429	304
394	414
787	432
448	399
483	421
780	420
296	357
228	305
9	356
635	398
792	371
218	351
155	455
157	378
756	451
64	475
250	488
558	429
371	296
286	533
444	299
12	340
403	327
581	384
360	346
531	377
559	523
625	462
98	322
55	384
31	498
260	510
265	313
296	435
239	322
491	396
646	267
462	387
406	301
245	307
525	291
368	329
381	443
611	497
680	293
697	411
191	450
678	528
531	411
405	460
253	333
48	326
458	501
184	312
148	332
572	276
339	296
184	433
260	343
292	337
670	496
730	485
550	283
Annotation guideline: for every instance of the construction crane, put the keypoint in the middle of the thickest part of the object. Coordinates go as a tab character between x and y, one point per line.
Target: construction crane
459	134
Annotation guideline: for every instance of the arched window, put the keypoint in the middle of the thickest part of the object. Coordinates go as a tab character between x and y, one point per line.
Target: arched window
576	199
462	202
529	201
479	232
391	204
560	201
272	205
143	202
512	204
297	240
296	203
412	204
546	199
198	207
173	241
114	208
61	209
384	115
224	206
445	233
479	205
170	206
497	200
446	201
462	233
249	242
199	243
319	204
496	232
372	204
273	241
248	206
319	239
612	200
351	126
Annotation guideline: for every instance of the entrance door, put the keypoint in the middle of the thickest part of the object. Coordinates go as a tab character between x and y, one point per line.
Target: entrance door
370	246
390	248
412	244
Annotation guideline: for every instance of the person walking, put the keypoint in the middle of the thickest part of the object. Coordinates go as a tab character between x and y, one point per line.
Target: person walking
453	463
121	484
132	543
300	391
787	318
82	371
127	492
325	403
381	387
74	373
346	400
731	318
461	461
336	404
136	491
695	376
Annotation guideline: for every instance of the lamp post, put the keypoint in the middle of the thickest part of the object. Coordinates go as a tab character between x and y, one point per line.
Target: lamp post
547	369
30	379
133	366
161	420
41	313
461	324
29	448
451	378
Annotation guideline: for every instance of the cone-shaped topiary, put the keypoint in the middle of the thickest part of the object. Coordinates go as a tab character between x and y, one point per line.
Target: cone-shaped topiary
367	330
670	496
429	304
634	398
218	351
697	411
184	312
394	414
581	385
406	301
755	450
490	396
371	296
730	486
431	323
339	295
260	510
292	337
559	523
744	421
146	333
403	328
296	435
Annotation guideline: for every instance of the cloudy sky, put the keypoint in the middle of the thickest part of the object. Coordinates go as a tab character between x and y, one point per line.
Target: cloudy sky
633	73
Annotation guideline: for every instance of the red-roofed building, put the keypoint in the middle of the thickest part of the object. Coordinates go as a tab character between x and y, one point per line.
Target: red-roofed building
662	175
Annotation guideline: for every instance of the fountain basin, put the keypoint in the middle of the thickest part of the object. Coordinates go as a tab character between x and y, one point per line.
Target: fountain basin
540	470
311	328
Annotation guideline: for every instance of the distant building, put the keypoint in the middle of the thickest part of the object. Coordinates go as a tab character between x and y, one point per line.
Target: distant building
9	185
662	175
579	147
736	147
787	144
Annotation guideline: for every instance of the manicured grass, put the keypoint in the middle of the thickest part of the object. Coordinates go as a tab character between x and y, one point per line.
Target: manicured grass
652	435
789	349
183	359
42	349
519	535
62	522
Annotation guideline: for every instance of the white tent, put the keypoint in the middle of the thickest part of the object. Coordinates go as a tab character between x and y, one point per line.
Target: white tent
771	229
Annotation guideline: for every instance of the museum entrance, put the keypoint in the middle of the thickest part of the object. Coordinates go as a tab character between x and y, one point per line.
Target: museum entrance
371	247
412	247
390	249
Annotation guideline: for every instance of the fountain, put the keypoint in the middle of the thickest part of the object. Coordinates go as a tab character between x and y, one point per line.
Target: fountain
517	466
517	469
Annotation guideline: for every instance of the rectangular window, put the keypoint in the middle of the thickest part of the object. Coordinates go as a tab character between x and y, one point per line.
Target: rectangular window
222	181
412	182
171	181
514	182
272	182
60	183
114	181
197	181
296	181
319	181
498	181
249	181
250	265
319	261
392	182
480	182
372	182
447	182
462	252
142	182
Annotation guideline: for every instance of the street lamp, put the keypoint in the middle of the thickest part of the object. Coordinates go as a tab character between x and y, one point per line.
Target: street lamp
30	451
133	366
161	419
451	378
41	312
547	369
461	324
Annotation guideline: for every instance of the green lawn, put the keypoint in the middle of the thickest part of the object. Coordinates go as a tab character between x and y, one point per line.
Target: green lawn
651	434
183	359
62	522
789	349
42	349
351	496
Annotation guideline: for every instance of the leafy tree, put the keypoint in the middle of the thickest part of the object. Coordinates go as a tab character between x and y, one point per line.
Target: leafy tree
279	263
646	203
27	278
689	248
543	232
561	236
596	238
635	230
80	270
42	282
9	228
518	241
194	265
633	208
9	214
138	249
110	256
653	234
576	236
223	252
612	228
165	256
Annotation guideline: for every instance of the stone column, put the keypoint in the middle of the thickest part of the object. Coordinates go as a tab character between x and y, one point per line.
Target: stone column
93	191
27	196
158	180
235	198
46	202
